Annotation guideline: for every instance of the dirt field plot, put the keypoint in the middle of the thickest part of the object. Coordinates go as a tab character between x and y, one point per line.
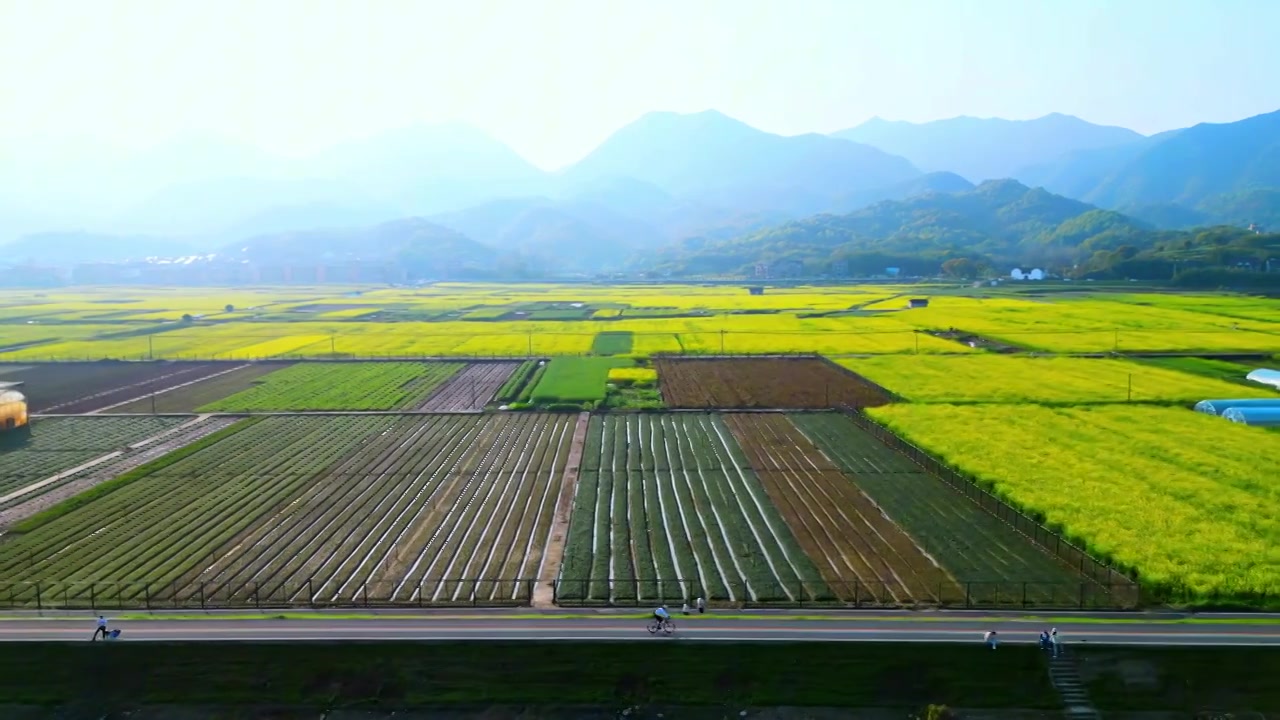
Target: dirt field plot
763	383
986	555
188	398
862	553
352	509
83	387
56	445
666	511
471	389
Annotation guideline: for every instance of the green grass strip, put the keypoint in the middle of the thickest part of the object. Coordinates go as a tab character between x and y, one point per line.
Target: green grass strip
101	489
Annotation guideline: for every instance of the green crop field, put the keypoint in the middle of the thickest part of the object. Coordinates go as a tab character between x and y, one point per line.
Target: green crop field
322	509
59	444
575	380
340	386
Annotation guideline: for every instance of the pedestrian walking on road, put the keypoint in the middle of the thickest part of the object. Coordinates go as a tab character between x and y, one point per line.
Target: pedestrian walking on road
1044	640
685	609
102	628
990	639
1053	640
702	605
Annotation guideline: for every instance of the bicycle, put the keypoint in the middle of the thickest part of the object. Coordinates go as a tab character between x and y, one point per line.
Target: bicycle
666	627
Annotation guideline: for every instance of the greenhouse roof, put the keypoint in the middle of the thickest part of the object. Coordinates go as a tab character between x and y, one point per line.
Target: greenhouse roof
1266	377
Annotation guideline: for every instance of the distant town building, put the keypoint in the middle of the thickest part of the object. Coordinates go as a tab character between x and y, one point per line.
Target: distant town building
1034	274
756	290
892	272
918	303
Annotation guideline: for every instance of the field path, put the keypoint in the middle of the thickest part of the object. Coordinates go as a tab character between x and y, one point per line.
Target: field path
553	556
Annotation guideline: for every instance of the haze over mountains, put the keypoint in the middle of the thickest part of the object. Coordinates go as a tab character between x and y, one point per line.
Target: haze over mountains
666	186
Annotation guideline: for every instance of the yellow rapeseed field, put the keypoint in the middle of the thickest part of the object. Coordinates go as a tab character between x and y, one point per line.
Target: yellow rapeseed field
633	374
1188	500
1062	324
1013	379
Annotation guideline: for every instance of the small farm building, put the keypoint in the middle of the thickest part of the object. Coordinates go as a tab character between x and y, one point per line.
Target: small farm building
756	290
13	407
918	303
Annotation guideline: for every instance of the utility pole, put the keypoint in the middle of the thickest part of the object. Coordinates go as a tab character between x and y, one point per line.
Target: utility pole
333	347
151	350
530	345
917	334
722	341
1130	387
1116	346
153	403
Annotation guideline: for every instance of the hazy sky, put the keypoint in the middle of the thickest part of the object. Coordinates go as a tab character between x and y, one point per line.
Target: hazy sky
554	77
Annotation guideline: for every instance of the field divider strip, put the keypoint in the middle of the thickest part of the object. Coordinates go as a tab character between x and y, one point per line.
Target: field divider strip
553	555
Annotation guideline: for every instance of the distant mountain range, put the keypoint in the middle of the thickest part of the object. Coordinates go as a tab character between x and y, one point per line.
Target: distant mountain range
987	149
670	186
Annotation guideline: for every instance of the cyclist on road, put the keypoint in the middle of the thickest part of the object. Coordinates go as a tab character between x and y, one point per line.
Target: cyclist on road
661	615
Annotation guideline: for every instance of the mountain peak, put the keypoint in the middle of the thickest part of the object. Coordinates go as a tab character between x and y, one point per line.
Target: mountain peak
982	148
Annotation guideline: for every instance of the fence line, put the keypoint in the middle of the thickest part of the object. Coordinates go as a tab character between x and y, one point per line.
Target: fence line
212	595
215	595
1054	543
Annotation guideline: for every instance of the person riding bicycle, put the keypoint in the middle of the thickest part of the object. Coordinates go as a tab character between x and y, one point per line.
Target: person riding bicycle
661	615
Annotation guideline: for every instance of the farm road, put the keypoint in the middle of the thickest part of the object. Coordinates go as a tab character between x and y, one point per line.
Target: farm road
967	628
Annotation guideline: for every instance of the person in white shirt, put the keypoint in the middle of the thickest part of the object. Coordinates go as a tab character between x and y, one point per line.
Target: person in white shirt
702	605
102	628
1053	640
990	639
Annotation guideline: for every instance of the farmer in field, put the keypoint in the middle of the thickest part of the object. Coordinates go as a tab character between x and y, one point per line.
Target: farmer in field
102	628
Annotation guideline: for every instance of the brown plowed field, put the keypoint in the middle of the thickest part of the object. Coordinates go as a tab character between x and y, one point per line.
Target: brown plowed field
860	552
75	388
471	389
764	383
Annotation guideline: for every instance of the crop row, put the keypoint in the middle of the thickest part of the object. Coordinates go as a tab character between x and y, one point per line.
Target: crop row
516	382
58	444
665	510
432	509
856	546
340	386
405	508
975	547
471	389
154	530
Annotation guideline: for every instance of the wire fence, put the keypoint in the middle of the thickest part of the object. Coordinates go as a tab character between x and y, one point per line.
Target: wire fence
945	594
215	595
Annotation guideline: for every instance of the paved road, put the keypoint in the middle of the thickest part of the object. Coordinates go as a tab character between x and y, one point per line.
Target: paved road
741	629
